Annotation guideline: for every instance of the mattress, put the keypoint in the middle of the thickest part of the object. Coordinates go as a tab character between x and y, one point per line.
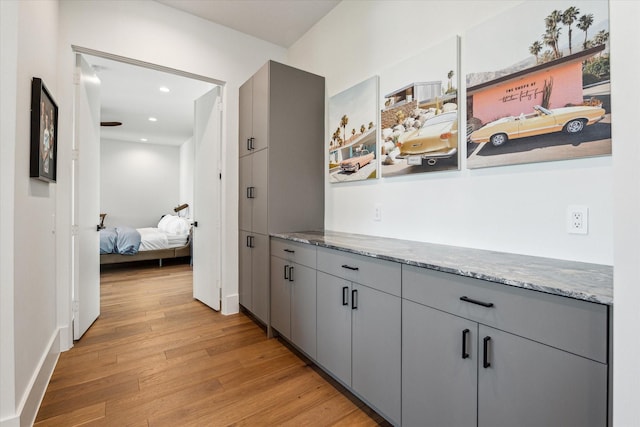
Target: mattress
154	239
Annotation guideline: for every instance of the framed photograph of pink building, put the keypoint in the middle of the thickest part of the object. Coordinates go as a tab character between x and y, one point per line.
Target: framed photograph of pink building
538	89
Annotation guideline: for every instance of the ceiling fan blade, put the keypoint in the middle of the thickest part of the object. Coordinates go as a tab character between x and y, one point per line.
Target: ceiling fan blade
110	123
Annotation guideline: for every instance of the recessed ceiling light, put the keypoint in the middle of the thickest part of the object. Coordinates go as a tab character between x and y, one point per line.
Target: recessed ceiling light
164	89
153	119
143	139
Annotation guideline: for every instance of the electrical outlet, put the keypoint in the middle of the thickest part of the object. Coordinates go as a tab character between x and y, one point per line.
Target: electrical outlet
577	220
377	212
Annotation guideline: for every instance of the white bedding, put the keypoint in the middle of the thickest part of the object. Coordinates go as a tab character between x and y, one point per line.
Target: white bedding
154	238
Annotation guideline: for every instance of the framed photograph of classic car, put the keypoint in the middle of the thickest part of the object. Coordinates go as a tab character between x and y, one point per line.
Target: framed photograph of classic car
419	113
44	133
539	89
353	144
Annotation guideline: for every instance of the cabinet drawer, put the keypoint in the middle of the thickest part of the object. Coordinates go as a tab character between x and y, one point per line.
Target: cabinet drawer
375	273
300	253
579	327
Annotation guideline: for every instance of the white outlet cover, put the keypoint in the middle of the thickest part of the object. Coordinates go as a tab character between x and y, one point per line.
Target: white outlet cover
377	212
577	219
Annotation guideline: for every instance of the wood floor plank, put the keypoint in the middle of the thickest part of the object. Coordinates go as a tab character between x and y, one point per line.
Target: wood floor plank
157	357
75	418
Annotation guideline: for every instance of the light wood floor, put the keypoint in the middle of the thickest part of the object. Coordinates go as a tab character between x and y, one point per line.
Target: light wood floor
157	357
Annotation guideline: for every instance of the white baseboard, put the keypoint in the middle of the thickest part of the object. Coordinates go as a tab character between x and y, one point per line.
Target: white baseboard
10	422
230	304
31	400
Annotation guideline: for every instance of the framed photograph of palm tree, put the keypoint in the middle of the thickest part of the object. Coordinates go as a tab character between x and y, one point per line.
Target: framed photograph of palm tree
538	85
419	112
353	140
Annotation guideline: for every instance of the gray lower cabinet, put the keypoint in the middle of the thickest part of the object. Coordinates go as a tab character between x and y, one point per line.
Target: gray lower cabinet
530	384
358	333
253	287
463	366
334	326
293	303
438	371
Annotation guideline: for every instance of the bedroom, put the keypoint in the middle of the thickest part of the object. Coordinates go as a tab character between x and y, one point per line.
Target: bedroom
147	162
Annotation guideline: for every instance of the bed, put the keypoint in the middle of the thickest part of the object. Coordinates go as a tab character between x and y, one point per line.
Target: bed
170	239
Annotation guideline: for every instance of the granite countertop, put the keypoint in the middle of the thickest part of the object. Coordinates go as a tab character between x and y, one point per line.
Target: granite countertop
578	280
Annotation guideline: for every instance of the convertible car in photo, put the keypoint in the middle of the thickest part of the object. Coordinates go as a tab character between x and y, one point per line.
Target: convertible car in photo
568	119
359	159
436	139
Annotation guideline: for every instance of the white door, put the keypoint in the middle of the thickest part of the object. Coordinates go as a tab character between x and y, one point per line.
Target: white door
206	195
86	199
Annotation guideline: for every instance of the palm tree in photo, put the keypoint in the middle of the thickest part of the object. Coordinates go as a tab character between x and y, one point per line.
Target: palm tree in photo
601	37
535	49
344	121
569	16
584	23
552	35
449	76
550	38
362	129
336	136
371	125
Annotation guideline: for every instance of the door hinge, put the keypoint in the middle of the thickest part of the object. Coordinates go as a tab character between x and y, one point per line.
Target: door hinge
75	154
75	230
76	306
76	77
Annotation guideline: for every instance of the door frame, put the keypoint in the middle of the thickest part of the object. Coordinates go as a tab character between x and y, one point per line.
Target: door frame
131	61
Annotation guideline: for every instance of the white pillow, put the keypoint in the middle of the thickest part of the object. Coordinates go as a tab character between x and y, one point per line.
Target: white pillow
165	221
171	224
181	226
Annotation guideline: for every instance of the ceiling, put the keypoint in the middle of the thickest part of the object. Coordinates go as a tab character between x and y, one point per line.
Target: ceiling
130	94
281	22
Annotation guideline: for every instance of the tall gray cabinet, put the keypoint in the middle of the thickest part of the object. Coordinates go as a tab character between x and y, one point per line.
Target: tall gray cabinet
281	181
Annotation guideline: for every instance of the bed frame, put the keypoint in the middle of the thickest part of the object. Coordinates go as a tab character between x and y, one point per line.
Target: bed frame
159	254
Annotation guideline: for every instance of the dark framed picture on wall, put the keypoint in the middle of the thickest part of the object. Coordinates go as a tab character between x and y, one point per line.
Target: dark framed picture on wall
44	133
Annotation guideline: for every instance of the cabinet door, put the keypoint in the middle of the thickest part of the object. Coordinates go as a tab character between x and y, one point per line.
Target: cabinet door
530	384
260	277
259	181
245	204
245	118
334	326
281	296
244	271
303	308
260	107
439	368
376	345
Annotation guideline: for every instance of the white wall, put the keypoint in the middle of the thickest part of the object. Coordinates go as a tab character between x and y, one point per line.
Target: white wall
155	33
138	182
519	209
29	326
8	73
187	166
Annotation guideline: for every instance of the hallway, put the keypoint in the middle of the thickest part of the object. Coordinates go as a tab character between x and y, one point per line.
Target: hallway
156	357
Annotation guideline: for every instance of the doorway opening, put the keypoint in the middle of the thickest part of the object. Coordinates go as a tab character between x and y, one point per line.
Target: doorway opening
158	125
